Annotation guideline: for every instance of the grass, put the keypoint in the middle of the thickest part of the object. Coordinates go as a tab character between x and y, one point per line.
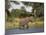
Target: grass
15	24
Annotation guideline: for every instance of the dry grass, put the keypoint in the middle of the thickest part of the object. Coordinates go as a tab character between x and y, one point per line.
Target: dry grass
15	24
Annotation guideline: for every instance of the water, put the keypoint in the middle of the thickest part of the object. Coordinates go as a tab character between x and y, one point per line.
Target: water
21	31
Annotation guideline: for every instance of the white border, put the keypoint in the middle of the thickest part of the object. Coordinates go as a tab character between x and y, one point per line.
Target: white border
2	17
30	0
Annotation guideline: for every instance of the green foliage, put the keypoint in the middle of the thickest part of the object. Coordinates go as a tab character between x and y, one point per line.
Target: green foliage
39	7
19	13
16	12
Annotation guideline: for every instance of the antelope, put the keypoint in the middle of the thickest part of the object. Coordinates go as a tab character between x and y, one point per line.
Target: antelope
25	21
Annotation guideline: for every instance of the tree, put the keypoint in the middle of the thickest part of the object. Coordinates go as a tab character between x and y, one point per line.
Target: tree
38	9
7	6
